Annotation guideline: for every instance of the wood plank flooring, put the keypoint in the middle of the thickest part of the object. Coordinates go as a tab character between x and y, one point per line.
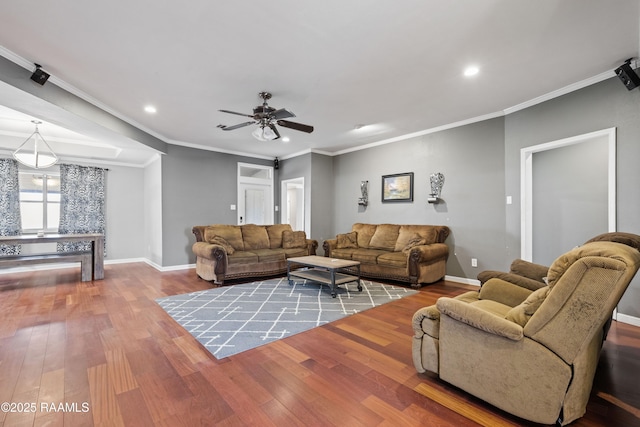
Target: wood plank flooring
104	353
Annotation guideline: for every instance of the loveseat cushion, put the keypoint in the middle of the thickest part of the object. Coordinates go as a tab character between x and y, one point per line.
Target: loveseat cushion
275	234
385	237
242	257
393	259
255	237
231	233
365	233
347	240
294	239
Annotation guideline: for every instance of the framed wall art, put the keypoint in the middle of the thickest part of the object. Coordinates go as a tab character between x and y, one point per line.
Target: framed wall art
397	187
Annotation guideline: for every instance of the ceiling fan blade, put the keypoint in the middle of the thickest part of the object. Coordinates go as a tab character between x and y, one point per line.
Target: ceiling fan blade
282	113
295	126
241	125
238	114
275	130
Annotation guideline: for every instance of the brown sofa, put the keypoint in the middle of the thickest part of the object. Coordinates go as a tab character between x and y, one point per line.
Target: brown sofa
226	252
532	353
409	253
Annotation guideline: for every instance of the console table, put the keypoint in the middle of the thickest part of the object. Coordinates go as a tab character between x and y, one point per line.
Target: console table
97	247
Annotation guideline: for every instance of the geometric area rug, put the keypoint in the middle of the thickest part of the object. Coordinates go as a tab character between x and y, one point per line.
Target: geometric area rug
231	319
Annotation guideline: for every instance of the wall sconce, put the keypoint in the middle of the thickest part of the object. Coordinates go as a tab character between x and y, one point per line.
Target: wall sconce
364	193
437	181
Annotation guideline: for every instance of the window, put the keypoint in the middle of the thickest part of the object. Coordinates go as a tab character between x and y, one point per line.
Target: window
39	201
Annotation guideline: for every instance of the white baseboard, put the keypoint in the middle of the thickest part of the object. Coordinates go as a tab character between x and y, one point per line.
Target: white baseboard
464	280
625	318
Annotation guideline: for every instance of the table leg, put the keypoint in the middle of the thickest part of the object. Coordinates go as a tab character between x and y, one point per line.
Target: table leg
97	253
289	273
333	282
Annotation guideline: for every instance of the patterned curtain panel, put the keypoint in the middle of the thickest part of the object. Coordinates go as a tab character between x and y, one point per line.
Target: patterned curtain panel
82	204
10	222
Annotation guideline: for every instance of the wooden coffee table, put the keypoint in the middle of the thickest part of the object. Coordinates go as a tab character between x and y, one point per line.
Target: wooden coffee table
324	270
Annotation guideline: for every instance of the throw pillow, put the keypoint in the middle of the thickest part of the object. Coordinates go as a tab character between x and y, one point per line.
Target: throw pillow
521	313
347	240
219	240
415	240
294	239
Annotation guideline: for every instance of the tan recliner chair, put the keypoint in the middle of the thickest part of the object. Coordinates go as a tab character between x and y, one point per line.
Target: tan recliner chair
532	353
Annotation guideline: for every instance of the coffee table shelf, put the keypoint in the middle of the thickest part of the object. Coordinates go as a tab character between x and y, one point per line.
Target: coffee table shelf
324	270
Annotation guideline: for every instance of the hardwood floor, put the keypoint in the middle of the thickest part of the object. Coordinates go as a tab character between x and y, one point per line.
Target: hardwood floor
104	353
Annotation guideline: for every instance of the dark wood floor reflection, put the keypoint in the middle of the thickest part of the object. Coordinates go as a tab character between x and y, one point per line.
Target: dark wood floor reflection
104	353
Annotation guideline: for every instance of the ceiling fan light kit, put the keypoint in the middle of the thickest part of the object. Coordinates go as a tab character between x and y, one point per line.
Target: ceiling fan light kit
267	117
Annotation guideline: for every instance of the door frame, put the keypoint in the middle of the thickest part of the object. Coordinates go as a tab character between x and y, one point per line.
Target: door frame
526	183
284	196
253	181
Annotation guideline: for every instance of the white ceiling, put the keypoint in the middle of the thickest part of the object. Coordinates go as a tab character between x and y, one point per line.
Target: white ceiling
395	66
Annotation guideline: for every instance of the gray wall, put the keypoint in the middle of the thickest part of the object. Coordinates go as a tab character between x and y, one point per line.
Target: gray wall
472	161
600	106
198	188
322	200
125	213
153	212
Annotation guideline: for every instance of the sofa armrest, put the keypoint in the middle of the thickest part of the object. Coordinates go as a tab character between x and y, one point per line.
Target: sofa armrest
504	292
328	246
430	252
312	245
209	251
479	319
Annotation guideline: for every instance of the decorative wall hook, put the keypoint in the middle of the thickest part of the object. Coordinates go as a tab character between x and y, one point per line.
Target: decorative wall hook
437	181
364	193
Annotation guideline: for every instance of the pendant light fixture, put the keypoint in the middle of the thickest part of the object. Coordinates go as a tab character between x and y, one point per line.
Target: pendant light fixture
35	152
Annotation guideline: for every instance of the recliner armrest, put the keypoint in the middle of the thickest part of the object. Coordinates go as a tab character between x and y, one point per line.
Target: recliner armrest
516	279
479	319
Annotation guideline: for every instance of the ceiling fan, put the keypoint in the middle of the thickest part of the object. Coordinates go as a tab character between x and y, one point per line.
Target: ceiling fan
266	118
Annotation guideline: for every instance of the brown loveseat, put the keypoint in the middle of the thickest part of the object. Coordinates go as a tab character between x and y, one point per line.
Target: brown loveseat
409	253
236	251
532	353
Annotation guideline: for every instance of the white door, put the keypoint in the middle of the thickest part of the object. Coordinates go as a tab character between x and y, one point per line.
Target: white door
255	194
254	204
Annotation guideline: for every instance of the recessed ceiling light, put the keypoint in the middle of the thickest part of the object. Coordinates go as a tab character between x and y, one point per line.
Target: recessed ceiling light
471	71
285	139
150	109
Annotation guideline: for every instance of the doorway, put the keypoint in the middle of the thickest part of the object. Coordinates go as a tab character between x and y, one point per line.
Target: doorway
293	203
568	190
255	194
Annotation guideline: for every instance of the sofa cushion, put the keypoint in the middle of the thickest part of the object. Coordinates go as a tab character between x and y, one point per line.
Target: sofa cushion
347	240
521	313
269	255
343	253
275	234
255	237
385	237
295	252
393	259
219	240
294	239
367	256
409	232
365	233
242	257
231	233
